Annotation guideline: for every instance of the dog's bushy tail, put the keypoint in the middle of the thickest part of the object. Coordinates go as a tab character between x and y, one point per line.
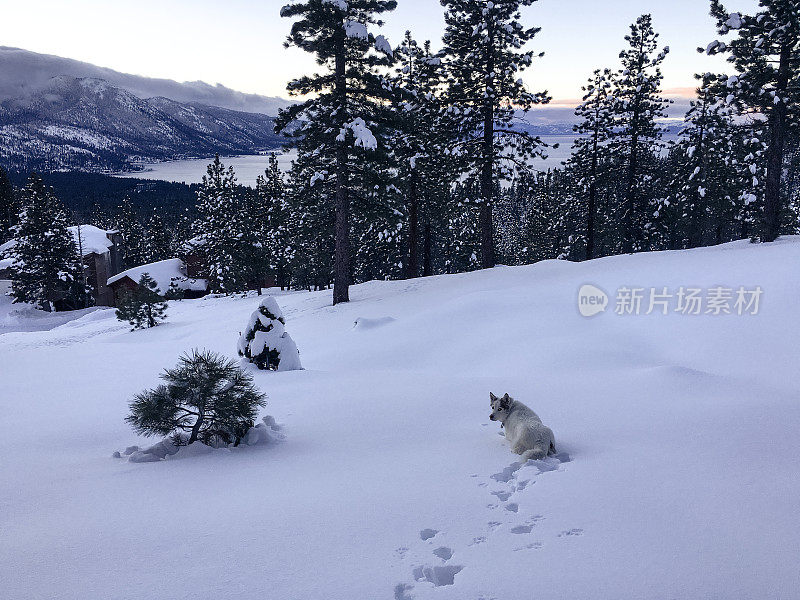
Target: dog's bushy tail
534	454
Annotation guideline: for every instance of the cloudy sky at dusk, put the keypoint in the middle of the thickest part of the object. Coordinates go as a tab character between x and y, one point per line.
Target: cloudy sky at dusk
239	42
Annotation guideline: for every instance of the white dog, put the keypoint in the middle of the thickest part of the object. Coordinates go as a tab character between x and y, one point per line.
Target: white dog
523	428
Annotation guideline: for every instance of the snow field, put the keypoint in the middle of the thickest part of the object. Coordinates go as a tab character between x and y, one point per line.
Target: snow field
677	438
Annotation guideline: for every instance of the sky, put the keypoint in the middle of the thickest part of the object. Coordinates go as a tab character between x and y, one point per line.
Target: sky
239	43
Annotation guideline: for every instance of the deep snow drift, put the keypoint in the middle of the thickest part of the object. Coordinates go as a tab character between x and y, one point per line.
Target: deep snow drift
677	437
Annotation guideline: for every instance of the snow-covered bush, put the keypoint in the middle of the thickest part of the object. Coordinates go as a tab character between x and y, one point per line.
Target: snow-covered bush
265	342
206	398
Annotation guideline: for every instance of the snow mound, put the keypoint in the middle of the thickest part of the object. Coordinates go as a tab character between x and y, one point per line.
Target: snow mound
20	317
266	432
364	323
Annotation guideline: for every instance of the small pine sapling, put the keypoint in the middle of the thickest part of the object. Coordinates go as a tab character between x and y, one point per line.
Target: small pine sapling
206	398
175	292
265	342
142	307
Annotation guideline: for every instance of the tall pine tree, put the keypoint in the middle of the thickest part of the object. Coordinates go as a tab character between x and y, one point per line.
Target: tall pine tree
591	151
420	144
484	47
312	223
638	105
273	221
8	208
47	268
158	239
134	238
707	188
335	125
766	54
217	227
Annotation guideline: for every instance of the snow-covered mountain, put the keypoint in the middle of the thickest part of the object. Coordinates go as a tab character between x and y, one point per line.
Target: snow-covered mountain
392	482
58	114
23	73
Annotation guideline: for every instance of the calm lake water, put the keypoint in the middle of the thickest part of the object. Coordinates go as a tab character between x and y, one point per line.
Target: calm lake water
249	167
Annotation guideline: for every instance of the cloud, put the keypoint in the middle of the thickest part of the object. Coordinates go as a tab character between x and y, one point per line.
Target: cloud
682	92
562	110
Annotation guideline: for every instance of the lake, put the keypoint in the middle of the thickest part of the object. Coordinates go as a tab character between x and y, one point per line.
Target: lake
248	167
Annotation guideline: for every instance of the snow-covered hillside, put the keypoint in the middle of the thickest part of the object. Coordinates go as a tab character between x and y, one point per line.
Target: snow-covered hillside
678	440
88	124
62	114
25	73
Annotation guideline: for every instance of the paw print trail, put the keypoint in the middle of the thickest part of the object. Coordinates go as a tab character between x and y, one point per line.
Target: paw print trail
437	556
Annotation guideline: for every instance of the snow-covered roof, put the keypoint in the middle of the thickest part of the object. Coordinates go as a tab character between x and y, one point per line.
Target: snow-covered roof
93	239
164	272
195	242
7	246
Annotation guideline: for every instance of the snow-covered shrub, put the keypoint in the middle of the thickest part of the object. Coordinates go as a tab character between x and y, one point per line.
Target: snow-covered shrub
142	307
205	398
265	342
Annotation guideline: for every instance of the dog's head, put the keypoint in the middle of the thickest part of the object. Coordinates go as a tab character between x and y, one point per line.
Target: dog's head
500	407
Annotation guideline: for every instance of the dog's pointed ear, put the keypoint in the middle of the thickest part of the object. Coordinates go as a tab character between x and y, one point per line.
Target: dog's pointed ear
492	397
506	397
505	401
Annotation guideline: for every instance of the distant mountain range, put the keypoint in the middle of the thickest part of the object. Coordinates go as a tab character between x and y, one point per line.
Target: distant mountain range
23	72
60	114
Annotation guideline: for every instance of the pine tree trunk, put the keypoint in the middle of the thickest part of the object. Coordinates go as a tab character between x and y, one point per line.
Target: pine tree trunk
592	200
791	176
590	221
195	432
633	165
485	218
412	266
695	231
630	192
427	263
341	276
487	168
777	132
604	240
